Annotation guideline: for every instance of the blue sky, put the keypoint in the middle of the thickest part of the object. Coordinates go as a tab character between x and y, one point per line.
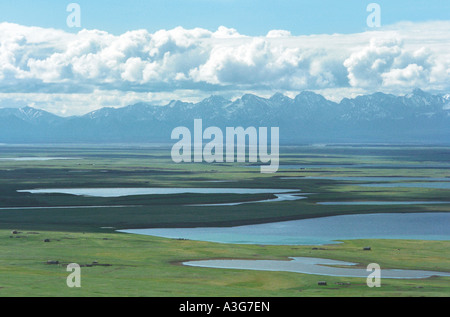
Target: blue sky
157	51
251	17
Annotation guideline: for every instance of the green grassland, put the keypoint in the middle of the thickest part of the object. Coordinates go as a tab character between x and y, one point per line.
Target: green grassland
150	266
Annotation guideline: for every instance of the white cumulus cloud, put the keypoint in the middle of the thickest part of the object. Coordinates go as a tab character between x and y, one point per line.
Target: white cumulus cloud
45	61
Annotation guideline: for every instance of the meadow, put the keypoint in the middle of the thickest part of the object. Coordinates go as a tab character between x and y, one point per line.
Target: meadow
82	229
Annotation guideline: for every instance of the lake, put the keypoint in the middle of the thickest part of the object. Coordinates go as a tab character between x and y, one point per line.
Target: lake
380	203
325	230
367	165
307	265
20	159
371	178
120	192
436	185
65	207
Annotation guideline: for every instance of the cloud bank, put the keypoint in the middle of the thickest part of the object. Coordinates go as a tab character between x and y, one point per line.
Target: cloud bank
75	73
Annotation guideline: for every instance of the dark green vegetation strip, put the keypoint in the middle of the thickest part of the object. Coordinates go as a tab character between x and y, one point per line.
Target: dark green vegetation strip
152	167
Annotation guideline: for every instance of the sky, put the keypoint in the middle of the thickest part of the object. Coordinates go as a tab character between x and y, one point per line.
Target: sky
157	51
250	17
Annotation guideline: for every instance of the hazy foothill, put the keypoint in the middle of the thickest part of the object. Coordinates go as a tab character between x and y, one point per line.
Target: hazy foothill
415	118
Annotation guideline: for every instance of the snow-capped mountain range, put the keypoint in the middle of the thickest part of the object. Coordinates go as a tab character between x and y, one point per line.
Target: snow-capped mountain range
418	117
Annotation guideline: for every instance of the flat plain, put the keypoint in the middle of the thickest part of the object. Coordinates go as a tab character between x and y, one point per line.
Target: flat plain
82	229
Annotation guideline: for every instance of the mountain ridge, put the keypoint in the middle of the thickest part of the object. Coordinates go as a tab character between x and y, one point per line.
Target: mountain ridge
307	118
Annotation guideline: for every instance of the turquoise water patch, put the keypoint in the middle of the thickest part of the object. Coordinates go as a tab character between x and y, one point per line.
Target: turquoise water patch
326	230
381	203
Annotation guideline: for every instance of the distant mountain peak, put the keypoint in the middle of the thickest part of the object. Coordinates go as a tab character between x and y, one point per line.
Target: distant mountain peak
215	100
279	97
140	105
310	97
308	93
310	117
250	97
103	112
27	108
417	92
